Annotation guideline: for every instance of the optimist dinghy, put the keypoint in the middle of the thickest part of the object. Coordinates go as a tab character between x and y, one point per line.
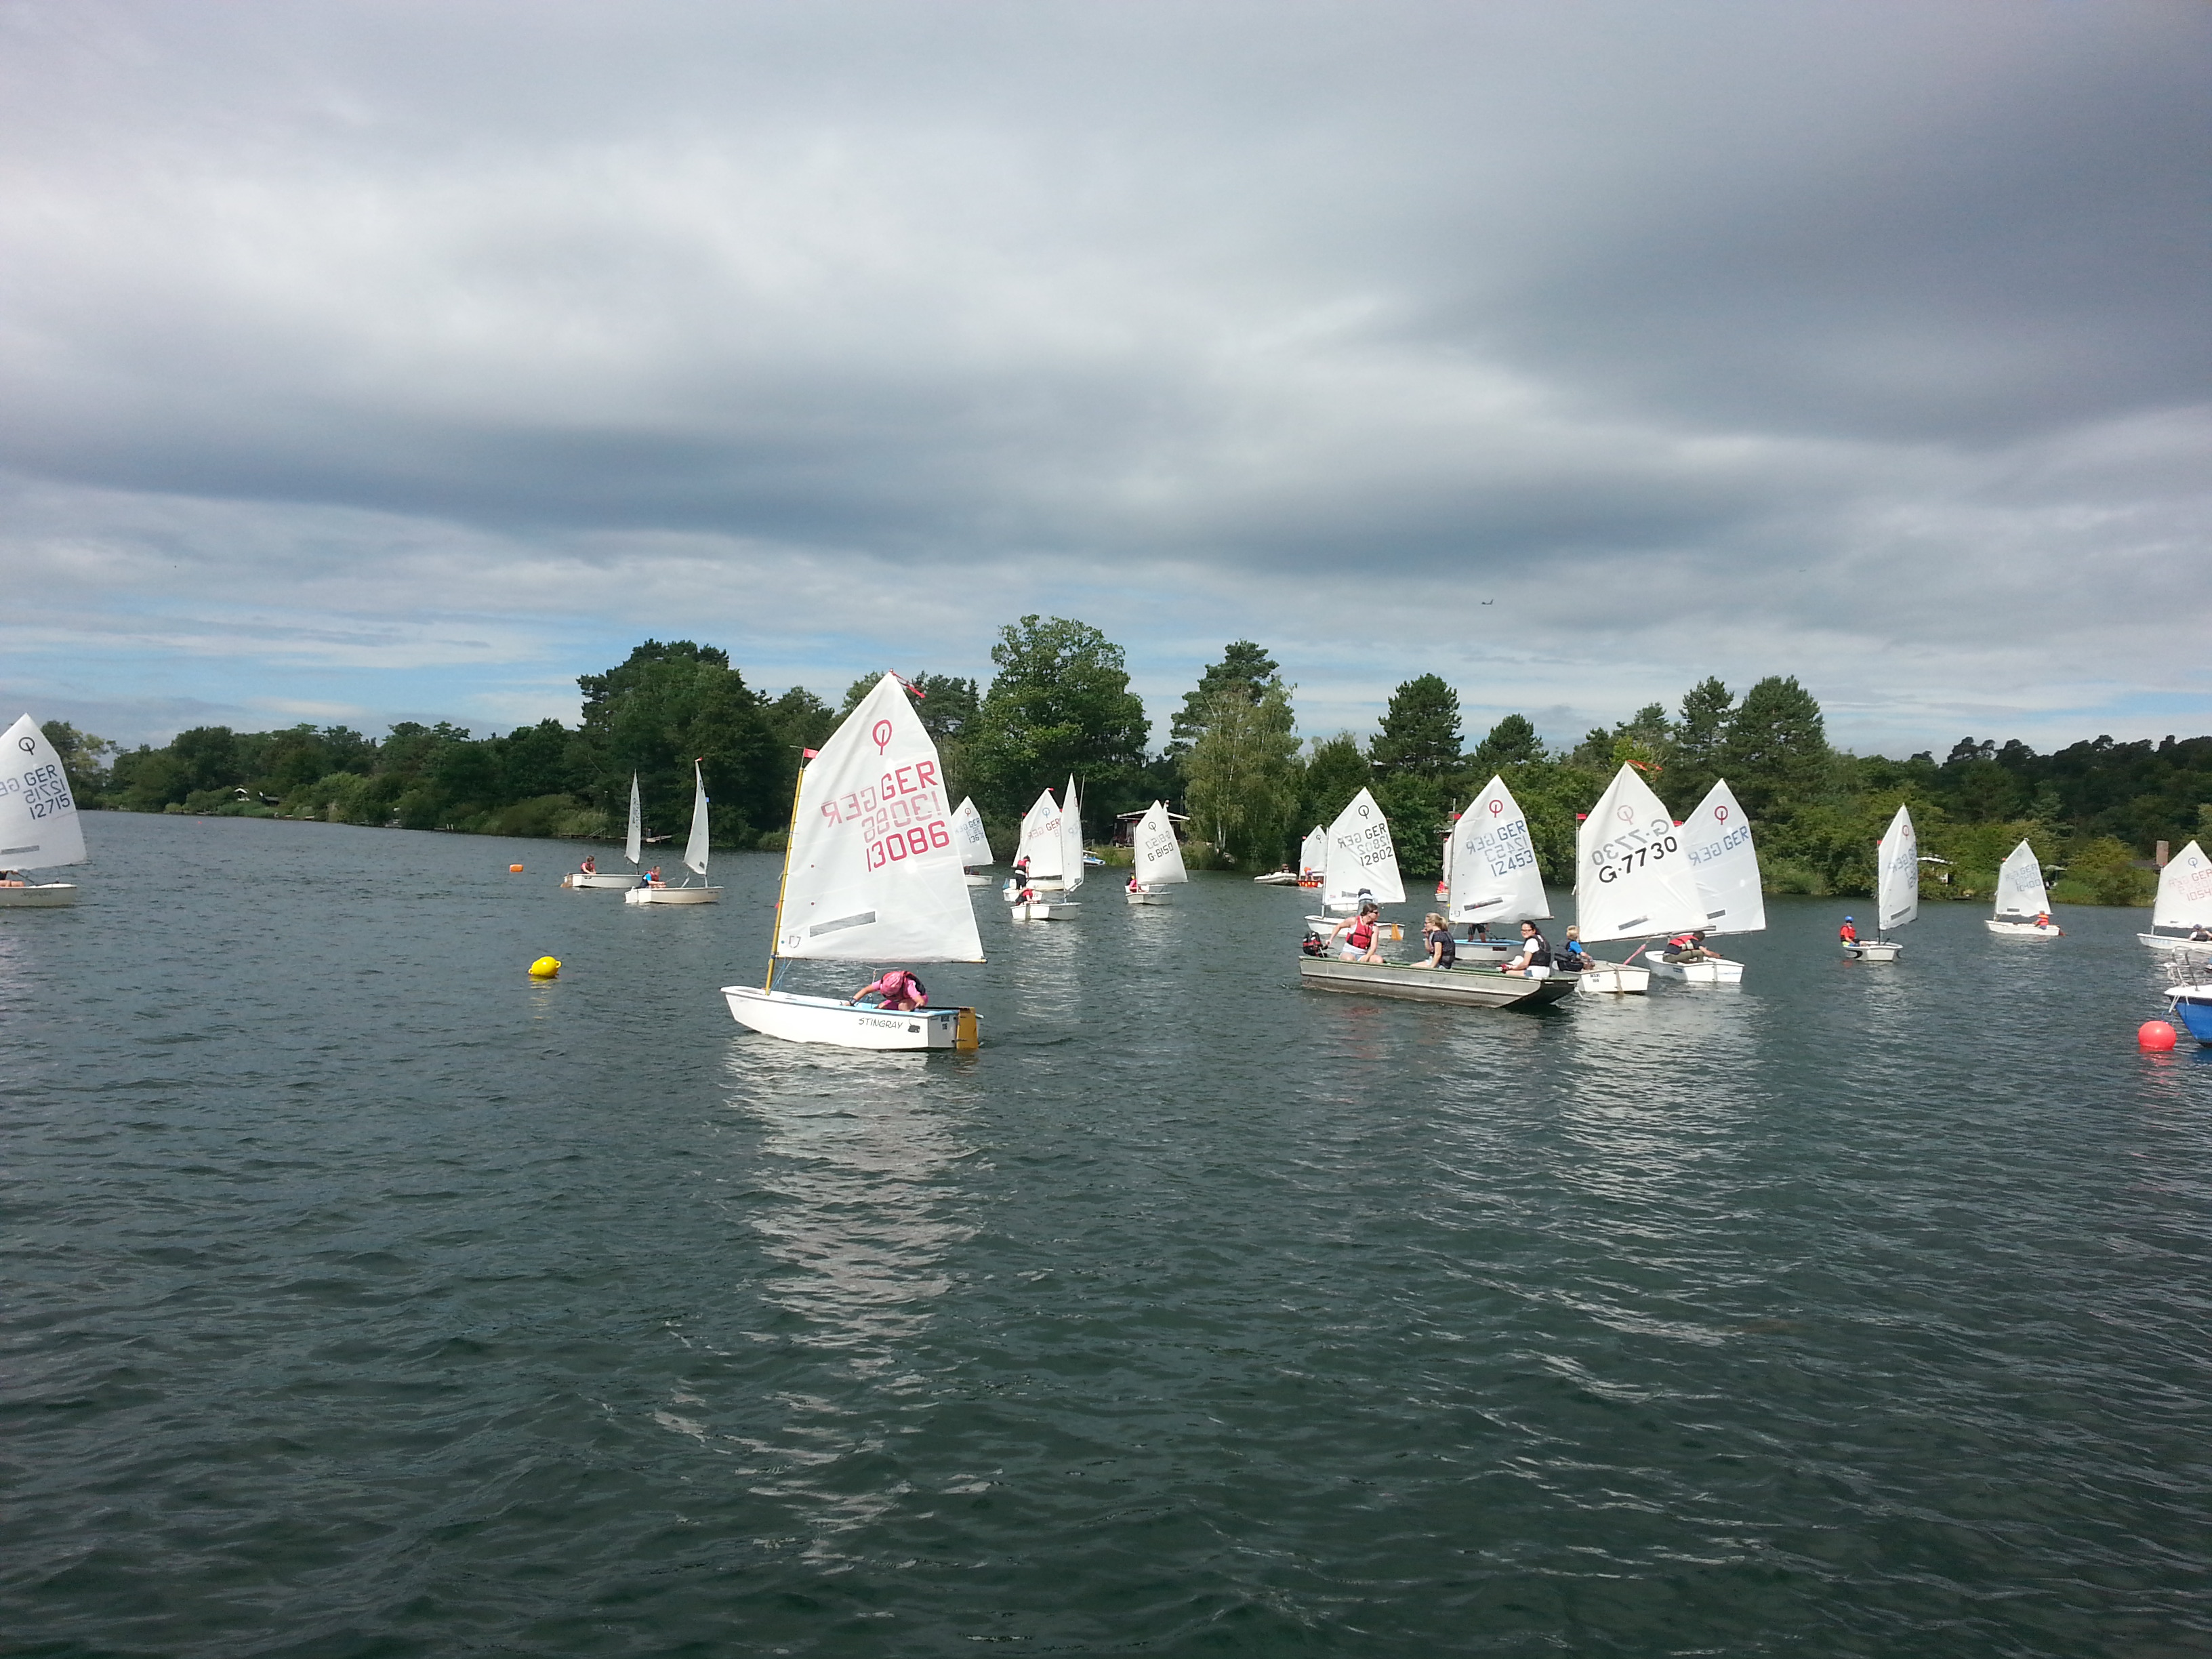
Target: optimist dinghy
1068	856
1361	863
1897	891
39	829
695	859
1491	877
1158	858
973	841
870	873
2021	898
2183	906
1725	866
632	844
1632	880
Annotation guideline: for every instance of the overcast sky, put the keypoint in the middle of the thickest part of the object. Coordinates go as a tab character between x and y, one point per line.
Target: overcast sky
370	361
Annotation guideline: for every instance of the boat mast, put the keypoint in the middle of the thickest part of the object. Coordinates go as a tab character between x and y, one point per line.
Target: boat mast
790	837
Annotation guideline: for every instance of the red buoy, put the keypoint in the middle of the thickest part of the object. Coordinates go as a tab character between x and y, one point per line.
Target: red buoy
2155	1036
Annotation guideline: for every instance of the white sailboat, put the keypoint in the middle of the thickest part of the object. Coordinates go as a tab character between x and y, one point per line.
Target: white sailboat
870	873
1313	857
1039	846
1897	891
1490	870
39	825
1717	838
1361	863
632	844
973	841
1066	830
2183	905
2021	898
695	858
1158	858
1633	879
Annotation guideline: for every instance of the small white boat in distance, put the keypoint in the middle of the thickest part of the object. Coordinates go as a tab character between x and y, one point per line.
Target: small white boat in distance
2021	898
1724	863
695	858
973	841
39	829
1070	851
1632	877
1361	861
1897	891
2183	905
878	883
1041	844
1158	858
632	844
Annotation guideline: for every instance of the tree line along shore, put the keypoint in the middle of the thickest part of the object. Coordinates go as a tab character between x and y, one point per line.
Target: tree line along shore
1058	702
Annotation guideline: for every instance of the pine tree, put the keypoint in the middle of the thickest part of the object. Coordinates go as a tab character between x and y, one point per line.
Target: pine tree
1244	666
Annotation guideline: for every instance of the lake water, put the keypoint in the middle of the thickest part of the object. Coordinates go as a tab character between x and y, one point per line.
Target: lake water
366	1297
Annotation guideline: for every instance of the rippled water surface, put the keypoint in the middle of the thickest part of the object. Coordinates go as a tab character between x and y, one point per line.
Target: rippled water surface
364	1296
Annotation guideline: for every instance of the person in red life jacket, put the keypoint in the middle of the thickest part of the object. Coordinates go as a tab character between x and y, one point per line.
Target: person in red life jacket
2043	920
653	878
1360	933
590	865
897	992
1847	934
1535	961
1690	947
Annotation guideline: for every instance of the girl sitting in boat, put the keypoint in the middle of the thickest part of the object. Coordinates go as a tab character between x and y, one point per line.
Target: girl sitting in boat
897	992
1437	933
1535	961
590	865
1360	932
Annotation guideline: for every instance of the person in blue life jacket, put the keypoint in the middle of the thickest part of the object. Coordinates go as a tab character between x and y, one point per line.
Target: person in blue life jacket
1573	960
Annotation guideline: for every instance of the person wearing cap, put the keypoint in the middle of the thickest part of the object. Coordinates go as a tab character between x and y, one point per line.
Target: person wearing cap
1848	932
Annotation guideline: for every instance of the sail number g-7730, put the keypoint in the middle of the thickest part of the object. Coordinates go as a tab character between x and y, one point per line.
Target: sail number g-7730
1632	851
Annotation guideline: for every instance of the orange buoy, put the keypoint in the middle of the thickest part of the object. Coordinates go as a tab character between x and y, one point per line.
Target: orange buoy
513	869
2155	1036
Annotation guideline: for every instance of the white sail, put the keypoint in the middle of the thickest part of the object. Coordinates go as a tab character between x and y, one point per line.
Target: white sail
694	850
1071	839
633	844
2021	895
39	827
1632	880
1159	855
1897	893
1313	853
1489	863
2184	889
874	872
1361	859
1040	841
970	835
1717	837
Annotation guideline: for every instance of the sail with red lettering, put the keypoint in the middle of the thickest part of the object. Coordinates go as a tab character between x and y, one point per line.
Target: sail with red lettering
1717	838
1040	841
874	870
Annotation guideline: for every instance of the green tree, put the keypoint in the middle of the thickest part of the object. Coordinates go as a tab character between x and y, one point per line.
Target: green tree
1512	742
1060	703
667	705
1242	771
1777	756
82	755
1336	771
1421	734
1244	667
1700	737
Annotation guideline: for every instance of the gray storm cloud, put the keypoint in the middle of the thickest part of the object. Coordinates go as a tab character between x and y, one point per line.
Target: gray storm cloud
1857	342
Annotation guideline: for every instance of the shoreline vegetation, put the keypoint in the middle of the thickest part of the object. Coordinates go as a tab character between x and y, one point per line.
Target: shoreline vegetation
1060	702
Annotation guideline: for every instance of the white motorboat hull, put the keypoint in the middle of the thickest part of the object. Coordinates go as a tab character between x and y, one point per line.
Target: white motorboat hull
1614	979
1461	987
1874	950
1698	973
1279	878
2167	942
2025	930
847	1025
1045	910
578	879
673	896
47	895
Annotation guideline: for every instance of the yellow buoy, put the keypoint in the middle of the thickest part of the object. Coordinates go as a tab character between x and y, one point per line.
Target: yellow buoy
513	869
545	968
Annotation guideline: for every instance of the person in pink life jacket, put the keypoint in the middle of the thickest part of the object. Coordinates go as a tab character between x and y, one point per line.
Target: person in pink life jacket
900	991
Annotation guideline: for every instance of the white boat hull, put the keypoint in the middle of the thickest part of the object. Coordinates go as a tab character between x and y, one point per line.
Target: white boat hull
2025	930
1460	987
1698	973
974	880
1281	878
673	896
580	879
1145	895
1874	950
1045	910
2167	942
1614	979
846	1025
47	896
